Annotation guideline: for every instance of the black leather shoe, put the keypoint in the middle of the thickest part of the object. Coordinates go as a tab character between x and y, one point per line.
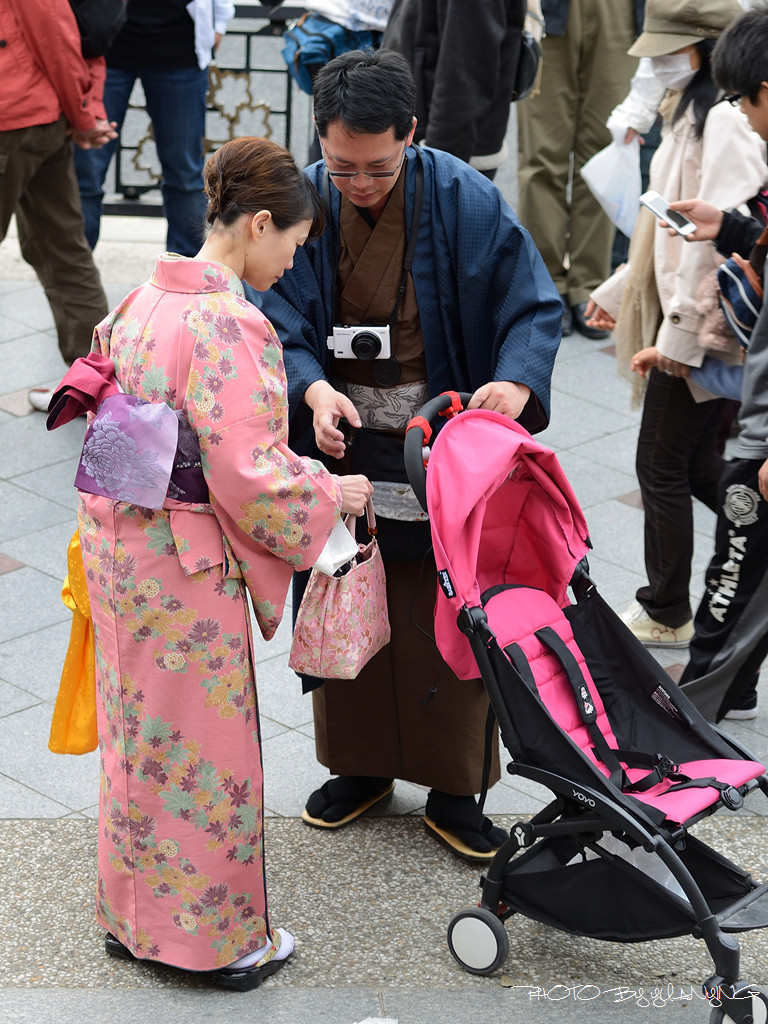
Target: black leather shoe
115	948
581	325
567	317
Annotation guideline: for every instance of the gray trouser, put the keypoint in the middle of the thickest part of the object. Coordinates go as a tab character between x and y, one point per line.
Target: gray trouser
38	184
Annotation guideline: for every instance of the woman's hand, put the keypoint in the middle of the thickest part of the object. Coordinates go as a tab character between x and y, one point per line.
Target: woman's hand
597	317
643	360
671	366
355	492
329	406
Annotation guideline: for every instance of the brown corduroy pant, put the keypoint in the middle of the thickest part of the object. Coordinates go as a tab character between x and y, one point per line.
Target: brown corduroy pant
38	184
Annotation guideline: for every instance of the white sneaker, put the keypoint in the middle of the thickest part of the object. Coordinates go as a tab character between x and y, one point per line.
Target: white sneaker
651	633
747	709
741	714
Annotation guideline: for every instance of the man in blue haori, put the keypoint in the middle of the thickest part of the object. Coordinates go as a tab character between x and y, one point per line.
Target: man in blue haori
424	251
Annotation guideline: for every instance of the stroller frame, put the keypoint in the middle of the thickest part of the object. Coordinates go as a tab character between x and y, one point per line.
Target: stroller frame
710	898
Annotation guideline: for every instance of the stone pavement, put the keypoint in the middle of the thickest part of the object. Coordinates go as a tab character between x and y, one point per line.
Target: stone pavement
369	905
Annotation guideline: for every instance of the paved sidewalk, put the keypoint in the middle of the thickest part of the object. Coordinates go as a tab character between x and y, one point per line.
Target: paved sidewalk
369	905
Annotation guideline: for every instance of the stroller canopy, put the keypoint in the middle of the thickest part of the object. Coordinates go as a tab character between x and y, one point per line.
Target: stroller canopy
501	512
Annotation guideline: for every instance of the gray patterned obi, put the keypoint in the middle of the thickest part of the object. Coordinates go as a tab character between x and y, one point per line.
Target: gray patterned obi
386	408
390	409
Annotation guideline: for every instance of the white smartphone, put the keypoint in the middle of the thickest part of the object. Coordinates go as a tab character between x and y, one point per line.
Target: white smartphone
658	205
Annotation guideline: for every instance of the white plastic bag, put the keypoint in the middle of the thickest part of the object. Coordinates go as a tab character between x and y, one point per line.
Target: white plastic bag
651	865
340	548
613	177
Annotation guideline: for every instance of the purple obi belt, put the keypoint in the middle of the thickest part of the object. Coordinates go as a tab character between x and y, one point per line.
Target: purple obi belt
134	451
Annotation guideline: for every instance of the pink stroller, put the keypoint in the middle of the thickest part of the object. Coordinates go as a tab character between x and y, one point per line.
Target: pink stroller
583	710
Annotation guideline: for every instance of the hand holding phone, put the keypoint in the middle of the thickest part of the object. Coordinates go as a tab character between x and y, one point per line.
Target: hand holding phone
660	207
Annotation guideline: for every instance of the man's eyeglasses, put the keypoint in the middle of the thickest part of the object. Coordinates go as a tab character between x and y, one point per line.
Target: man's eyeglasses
734	99
365	174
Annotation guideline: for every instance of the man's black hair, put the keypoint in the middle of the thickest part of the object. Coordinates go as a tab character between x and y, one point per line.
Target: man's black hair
740	60
369	91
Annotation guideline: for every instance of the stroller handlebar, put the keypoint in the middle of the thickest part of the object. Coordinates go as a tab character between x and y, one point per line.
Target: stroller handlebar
419	433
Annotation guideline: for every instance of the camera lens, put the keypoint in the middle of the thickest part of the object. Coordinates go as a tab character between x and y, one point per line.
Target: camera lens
366	345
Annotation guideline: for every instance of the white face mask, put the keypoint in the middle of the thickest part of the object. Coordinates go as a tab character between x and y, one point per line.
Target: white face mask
673	70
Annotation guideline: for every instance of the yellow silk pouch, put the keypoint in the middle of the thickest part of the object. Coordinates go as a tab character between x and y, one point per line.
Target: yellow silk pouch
73	726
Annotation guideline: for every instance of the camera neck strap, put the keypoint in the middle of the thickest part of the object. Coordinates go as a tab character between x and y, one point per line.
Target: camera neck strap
410	251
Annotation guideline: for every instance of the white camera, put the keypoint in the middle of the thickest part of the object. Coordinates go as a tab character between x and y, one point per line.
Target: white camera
362	342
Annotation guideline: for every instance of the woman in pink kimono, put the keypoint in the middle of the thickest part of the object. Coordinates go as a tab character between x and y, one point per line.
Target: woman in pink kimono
181	870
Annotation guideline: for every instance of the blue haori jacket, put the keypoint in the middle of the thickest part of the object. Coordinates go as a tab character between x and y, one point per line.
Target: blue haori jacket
487	305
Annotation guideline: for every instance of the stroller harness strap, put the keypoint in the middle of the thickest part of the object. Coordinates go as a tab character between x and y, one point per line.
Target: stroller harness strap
663	768
585	702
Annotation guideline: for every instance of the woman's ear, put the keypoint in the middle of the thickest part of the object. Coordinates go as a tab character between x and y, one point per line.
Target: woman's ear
259	223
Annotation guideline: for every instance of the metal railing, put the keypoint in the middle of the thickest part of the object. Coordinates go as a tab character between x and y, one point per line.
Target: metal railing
250	93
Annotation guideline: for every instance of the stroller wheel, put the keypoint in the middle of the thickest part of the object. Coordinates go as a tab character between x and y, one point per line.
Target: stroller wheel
750	1007
478	940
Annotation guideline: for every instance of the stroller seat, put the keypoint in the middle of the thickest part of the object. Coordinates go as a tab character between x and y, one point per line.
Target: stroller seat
523	620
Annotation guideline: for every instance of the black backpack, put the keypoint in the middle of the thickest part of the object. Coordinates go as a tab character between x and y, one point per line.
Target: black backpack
99	22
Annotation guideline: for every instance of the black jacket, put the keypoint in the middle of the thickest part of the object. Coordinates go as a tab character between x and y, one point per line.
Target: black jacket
738	234
464	58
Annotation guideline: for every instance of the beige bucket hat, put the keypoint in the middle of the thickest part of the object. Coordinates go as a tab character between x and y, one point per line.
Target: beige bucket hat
670	25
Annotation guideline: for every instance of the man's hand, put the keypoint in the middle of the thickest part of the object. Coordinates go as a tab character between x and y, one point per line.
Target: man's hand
329	406
707	218
98	136
762	480
504	396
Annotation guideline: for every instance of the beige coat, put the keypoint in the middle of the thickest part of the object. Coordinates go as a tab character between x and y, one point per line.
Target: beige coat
726	167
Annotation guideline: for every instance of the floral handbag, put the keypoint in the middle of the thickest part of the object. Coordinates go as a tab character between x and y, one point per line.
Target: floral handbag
343	620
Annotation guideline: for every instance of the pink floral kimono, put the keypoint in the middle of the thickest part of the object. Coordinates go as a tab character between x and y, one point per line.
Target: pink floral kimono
181	872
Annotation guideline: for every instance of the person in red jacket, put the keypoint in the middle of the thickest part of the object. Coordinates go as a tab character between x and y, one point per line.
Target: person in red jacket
51	95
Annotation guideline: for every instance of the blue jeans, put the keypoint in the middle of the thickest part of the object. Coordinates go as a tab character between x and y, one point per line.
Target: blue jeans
176	106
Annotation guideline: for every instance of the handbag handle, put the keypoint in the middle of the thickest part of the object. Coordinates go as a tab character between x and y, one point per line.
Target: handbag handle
373	529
